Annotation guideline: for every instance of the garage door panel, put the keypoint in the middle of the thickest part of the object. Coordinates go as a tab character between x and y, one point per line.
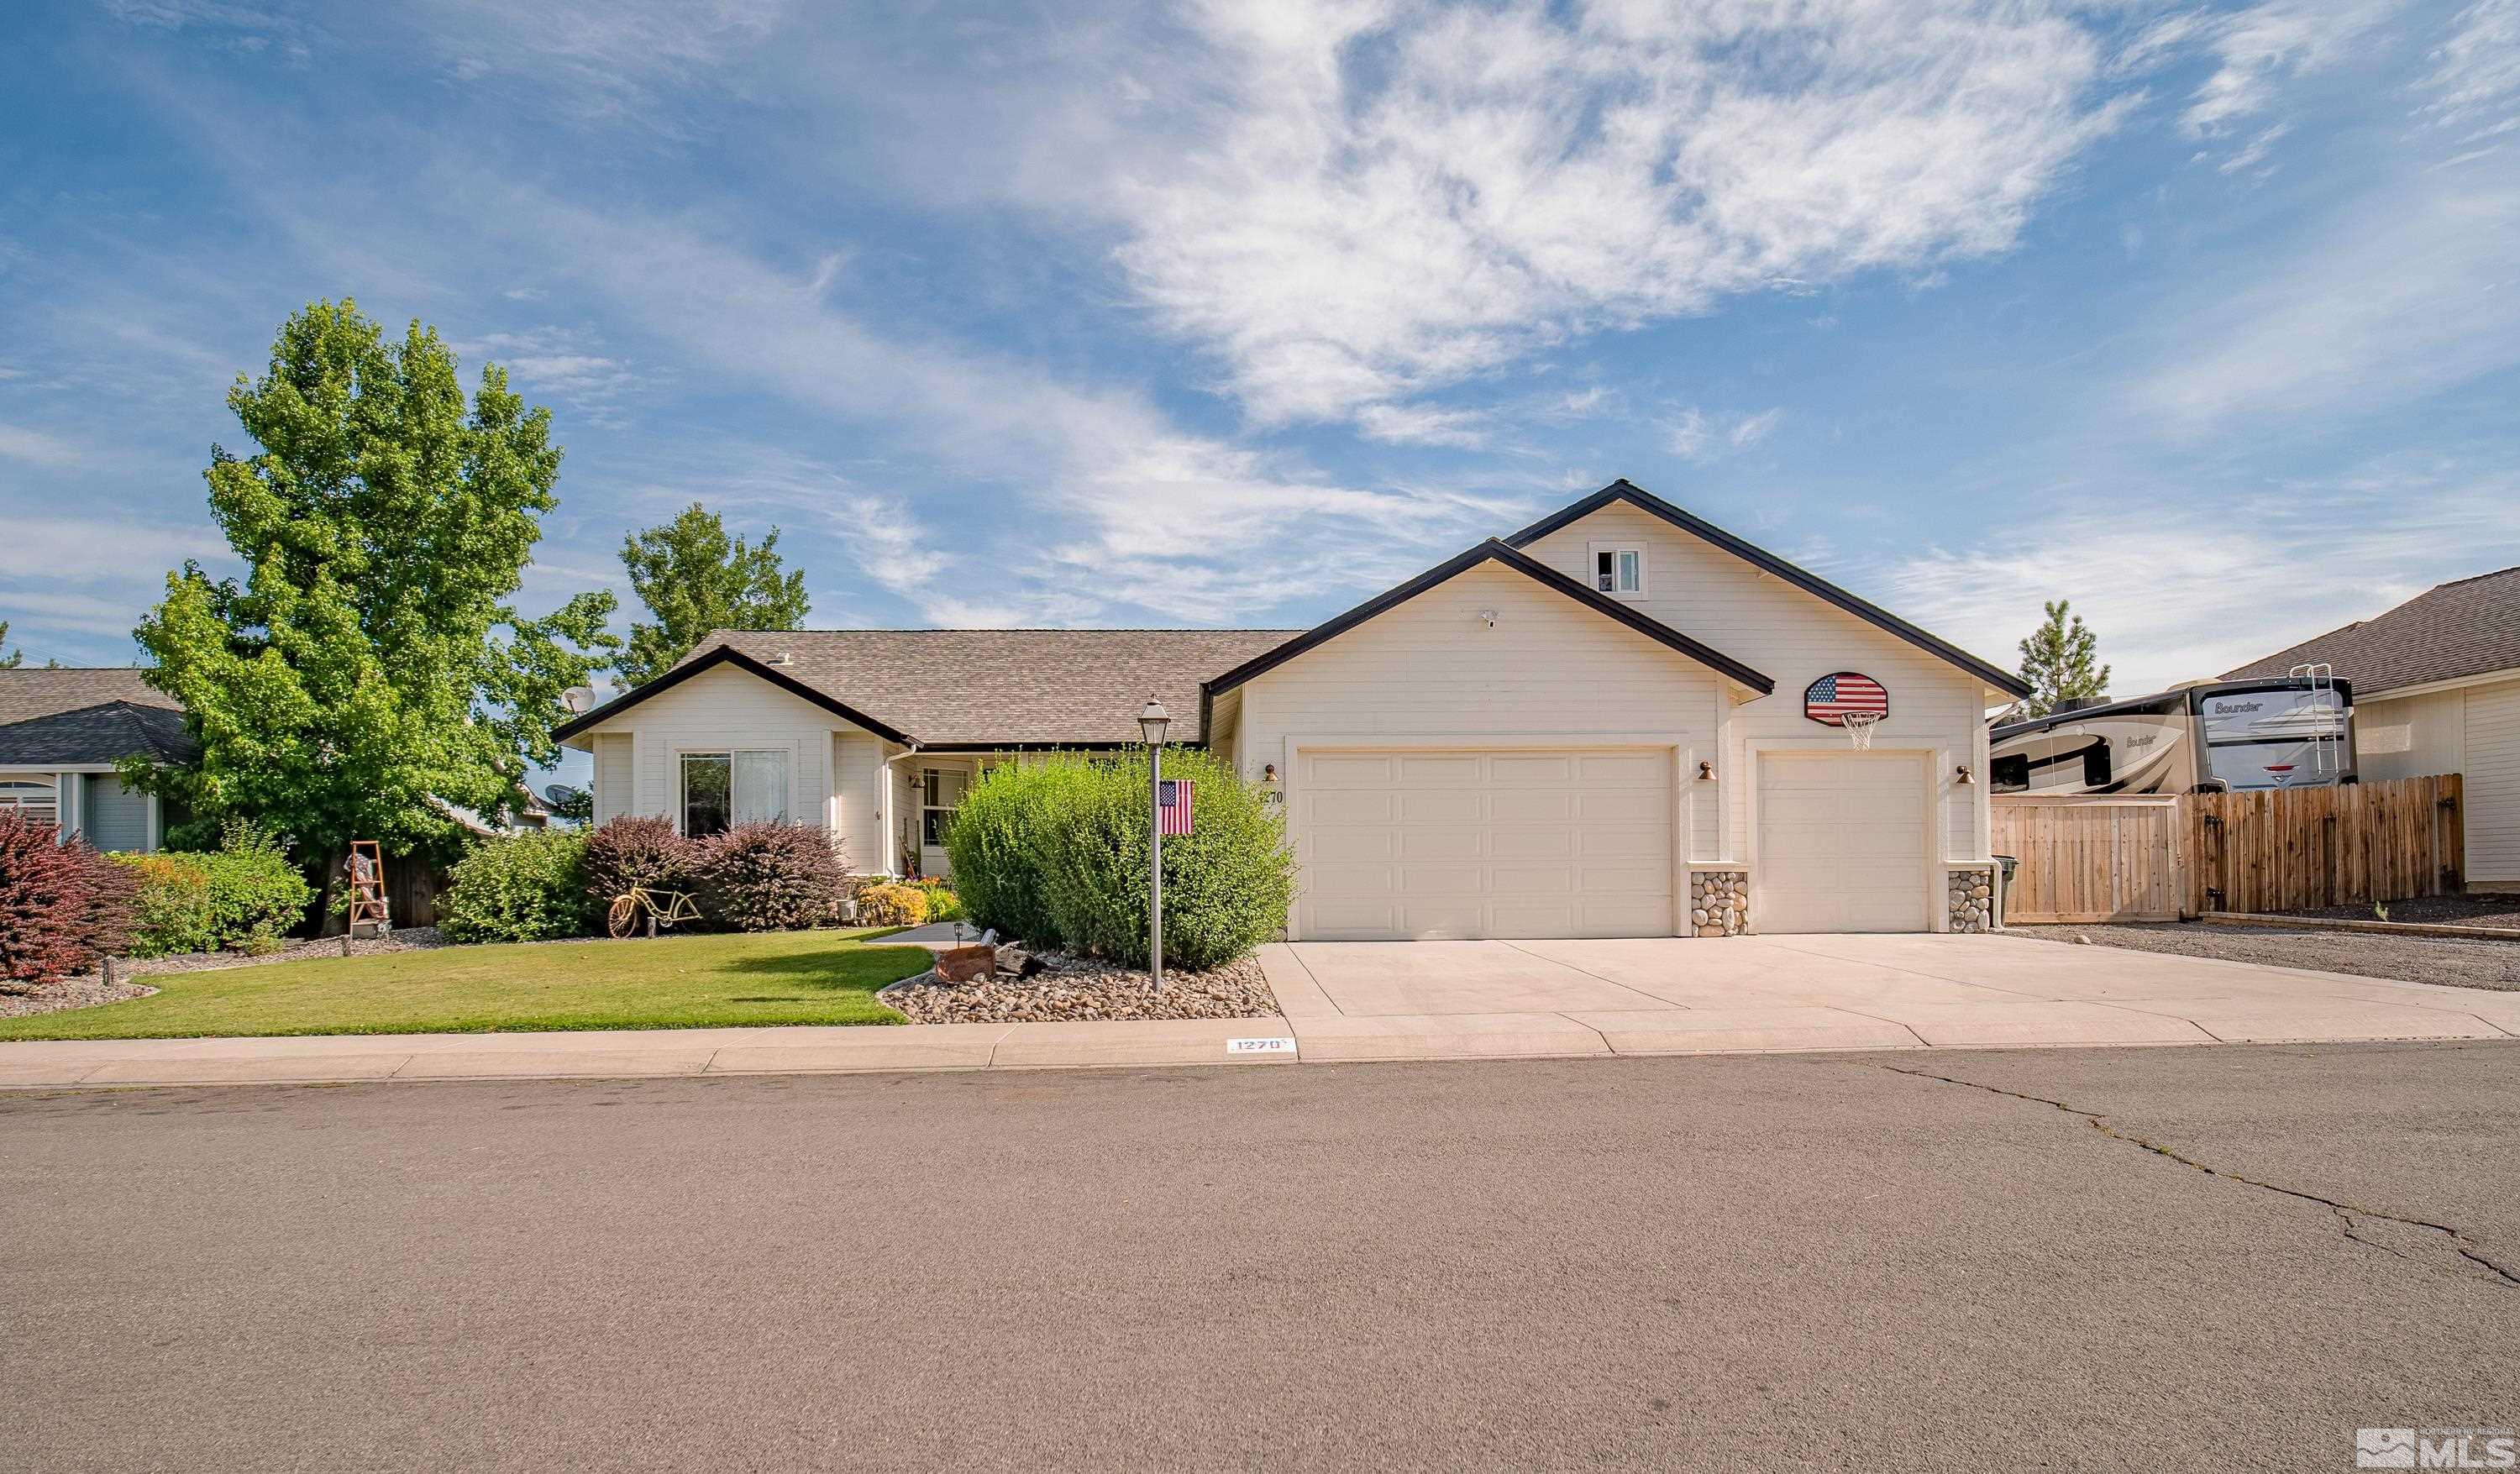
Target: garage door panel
1503	843
1373	772
1841	844
1442	806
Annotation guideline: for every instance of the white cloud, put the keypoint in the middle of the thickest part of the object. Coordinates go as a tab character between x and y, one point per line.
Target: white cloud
1694	434
1422	424
555	363
35	448
2180	584
1754	428
2255	152
2408	292
2477	69
1388	198
603	61
2263	46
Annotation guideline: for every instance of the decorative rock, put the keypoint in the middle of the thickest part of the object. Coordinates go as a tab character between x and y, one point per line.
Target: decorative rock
966	964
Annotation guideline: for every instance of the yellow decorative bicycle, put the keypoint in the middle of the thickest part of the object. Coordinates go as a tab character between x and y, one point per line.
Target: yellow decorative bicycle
665	910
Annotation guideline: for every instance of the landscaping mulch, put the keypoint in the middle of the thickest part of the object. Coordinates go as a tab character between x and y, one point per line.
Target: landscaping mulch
2455	961
1081	988
17	999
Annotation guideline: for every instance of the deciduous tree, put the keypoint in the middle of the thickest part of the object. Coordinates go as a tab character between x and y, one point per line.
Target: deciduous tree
694	580
368	674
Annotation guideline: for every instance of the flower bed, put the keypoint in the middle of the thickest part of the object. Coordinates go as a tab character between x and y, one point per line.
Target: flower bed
1086	988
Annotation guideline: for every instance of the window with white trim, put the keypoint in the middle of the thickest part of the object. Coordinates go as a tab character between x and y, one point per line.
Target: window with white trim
940	794
1619	569
35	803
721	789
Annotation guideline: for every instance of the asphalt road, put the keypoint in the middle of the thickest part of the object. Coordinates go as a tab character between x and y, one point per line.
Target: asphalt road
1740	1262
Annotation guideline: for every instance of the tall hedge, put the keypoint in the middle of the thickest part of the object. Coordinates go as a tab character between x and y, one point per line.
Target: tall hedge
1058	851
528	887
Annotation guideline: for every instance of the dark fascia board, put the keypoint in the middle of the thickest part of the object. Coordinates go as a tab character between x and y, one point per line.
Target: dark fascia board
1076	746
727	654
1625	490
1491	551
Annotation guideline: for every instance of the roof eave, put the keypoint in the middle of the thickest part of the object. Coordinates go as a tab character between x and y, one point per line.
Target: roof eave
1625	490
727	654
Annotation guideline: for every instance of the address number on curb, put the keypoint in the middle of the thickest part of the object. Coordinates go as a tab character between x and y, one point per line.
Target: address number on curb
1259	1046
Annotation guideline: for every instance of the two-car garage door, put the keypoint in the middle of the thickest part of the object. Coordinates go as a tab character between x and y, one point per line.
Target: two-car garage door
1484	843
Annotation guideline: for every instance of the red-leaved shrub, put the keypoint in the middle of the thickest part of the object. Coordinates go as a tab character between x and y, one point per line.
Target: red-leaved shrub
638	850
771	876
62	905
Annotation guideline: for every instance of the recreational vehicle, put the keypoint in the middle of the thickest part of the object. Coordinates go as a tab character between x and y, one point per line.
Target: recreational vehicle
2295	731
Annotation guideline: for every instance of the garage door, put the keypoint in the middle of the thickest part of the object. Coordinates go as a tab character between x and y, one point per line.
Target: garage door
1410	845
1841	843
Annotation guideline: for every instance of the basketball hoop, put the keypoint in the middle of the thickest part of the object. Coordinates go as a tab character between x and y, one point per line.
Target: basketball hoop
1859	727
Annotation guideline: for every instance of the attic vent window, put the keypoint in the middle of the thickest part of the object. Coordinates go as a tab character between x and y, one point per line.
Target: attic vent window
1619	569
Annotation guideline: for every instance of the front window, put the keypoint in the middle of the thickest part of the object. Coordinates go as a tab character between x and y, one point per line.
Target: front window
36	803
721	789
940	794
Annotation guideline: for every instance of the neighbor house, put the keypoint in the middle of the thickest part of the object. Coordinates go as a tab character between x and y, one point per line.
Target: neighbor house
62	731
1609	723
2437	689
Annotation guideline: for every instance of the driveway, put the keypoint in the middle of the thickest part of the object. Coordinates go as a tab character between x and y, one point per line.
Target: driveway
1416	1000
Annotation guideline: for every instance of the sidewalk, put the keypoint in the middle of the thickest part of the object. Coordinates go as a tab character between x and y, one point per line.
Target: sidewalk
1341	1002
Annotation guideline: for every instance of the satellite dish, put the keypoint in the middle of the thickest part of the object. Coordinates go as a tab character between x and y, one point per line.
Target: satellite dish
560	795
579	699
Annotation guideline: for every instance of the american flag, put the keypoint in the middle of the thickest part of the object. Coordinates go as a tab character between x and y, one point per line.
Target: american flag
1831	699
1172	801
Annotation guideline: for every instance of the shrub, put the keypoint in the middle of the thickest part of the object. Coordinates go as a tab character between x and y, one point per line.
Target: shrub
519	888
892	904
771	876
171	905
639	850
257	893
1067	840
943	905
990	847
62	905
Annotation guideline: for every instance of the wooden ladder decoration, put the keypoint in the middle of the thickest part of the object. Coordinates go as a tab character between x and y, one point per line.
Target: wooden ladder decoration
368	888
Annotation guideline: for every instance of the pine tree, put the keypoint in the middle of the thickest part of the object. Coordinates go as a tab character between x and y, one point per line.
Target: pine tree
2056	661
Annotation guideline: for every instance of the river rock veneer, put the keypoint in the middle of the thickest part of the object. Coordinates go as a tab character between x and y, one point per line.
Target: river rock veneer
1719	902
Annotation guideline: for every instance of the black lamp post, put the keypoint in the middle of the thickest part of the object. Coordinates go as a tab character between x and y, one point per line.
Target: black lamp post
1153	721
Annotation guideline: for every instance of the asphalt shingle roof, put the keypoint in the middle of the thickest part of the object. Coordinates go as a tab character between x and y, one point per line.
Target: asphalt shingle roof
2470	627
87	715
961	688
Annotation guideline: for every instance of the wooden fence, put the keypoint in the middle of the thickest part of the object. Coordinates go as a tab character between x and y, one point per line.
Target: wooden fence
2155	858
2104	859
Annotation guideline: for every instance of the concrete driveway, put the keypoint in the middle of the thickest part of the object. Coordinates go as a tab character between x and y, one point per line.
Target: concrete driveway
1420	999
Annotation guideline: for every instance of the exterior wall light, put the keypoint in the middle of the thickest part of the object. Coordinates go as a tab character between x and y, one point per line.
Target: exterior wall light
1705	772
1962	775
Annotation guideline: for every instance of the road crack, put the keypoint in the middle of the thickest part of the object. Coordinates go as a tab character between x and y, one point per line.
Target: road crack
2346	1213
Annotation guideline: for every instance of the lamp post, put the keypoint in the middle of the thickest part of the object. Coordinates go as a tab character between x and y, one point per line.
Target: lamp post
1153	721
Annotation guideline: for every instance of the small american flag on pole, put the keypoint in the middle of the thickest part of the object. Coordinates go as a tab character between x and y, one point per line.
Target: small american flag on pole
1173	801
1830	699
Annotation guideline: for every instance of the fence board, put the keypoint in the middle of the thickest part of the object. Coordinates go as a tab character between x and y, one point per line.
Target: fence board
2156	857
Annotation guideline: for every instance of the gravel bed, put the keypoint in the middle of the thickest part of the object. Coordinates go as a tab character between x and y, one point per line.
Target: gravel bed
65	993
1072	988
2455	961
2436	910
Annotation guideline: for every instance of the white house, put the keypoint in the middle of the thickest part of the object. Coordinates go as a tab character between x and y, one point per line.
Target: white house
2437	689
63	730
1579	730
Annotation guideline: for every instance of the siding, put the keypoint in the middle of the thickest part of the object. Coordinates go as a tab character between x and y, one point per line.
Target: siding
2493	786
728	708
1715	598
857	800
613	787
2437	736
1549	670
111	815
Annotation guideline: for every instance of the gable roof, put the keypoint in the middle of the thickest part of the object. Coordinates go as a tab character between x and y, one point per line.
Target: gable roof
982	690
1627	491
87	715
2468	627
1491	551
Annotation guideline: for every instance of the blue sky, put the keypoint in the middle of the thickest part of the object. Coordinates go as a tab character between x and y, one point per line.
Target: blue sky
1115	314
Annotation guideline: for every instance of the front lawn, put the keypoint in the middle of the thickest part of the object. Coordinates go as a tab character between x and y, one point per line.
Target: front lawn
686	982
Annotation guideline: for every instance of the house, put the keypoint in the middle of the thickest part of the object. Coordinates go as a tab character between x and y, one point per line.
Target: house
61	733
2437	689
1607	724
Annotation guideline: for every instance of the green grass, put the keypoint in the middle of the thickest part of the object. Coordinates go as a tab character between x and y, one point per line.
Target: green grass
688	982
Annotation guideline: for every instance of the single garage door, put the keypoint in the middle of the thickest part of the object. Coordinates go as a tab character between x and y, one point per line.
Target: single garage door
1406	845
1841	843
